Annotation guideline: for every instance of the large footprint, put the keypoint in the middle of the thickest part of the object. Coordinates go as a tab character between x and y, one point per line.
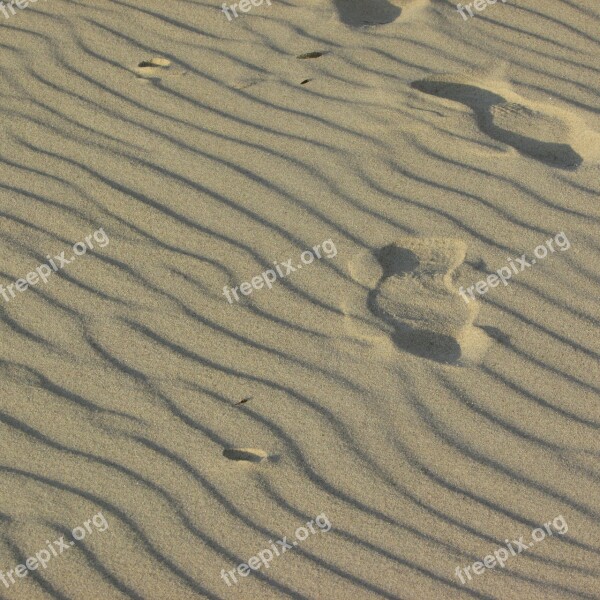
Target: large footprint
411	290
531	132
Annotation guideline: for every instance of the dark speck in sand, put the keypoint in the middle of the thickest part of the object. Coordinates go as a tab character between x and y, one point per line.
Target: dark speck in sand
310	55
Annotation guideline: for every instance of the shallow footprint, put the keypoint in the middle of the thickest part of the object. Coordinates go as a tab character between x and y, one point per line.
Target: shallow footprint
414	295
245	454
152	69
533	133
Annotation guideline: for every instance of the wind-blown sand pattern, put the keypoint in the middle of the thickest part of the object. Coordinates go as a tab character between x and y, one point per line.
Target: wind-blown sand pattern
430	150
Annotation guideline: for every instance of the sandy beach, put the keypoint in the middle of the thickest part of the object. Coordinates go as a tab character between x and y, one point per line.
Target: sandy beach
300	299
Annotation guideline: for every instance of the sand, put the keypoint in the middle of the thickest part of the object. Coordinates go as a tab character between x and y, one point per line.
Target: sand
361	403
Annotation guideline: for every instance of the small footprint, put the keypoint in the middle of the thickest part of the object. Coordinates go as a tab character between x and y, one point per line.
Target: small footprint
152	69
534	133
245	454
412	290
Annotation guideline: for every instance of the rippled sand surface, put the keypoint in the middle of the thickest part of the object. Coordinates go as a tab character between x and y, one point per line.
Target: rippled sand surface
348	170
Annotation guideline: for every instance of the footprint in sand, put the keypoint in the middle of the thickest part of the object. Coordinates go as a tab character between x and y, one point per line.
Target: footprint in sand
366	12
153	69
534	133
357	13
245	454
411	290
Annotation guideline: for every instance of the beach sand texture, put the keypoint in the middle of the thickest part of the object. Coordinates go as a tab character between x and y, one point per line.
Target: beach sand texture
424	151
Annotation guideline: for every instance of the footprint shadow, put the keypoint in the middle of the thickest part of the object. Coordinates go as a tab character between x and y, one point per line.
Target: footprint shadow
427	344
502	120
395	260
370	12
254	455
